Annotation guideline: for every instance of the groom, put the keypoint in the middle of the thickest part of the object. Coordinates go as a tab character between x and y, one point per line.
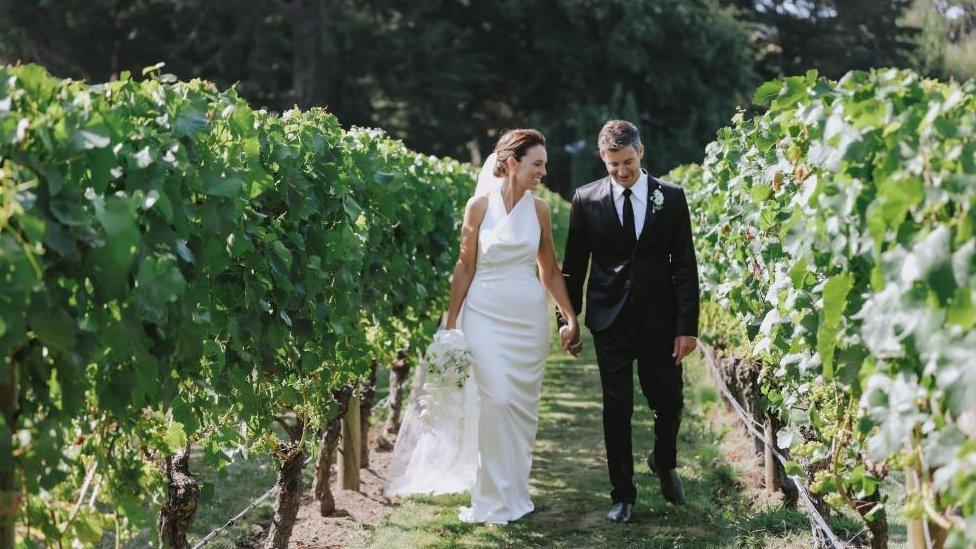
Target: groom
633	231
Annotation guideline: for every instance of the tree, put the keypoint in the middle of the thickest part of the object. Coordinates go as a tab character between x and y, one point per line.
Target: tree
832	36
446	76
947	42
677	68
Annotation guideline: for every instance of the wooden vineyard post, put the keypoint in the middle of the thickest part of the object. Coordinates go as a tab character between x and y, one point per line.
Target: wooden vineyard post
365	411
770	469
915	527
349	456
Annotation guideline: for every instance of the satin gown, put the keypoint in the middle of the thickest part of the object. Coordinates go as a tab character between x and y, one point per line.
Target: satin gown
506	321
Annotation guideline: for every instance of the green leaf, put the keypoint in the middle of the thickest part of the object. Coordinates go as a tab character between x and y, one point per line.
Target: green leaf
229	186
190	123
175	437
871	112
54	328
153	68
88	527
834	302
159	282
183	414
100	164
793	468
761	192
282	252
962	310
767	92
353	210
113	260
115	216
794	89
895	198
798	273
383	178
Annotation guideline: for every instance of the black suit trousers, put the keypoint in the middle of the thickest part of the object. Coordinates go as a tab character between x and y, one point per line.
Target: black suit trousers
617	347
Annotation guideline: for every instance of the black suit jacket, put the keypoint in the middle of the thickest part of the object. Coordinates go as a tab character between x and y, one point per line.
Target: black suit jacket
659	275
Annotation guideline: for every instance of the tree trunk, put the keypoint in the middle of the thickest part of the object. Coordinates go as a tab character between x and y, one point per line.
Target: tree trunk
305	19
398	378
791	494
183	493
365	411
328	443
879	531
10	494
742	378
938	535
349	456
877	522
290	488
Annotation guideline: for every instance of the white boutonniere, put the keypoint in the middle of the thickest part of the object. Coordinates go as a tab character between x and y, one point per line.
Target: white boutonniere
657	201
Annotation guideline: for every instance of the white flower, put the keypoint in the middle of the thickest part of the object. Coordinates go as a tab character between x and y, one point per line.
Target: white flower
447	365
448	357
143	158
21	132
658	199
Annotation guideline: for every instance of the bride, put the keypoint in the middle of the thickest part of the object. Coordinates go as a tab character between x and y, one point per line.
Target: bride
484	441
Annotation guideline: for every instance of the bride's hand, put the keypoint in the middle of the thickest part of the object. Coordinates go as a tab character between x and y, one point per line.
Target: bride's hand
569	336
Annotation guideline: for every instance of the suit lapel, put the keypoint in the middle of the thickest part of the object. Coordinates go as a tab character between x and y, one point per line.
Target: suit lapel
650	216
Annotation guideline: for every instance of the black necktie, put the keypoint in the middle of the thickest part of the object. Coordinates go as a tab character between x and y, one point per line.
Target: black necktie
629	227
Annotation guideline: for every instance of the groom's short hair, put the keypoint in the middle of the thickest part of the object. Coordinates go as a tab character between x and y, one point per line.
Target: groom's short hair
618	134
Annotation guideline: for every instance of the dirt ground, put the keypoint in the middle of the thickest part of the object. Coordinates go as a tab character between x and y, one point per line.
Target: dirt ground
355	511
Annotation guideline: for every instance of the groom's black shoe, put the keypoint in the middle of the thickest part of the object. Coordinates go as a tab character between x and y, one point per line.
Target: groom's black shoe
671	487
620	512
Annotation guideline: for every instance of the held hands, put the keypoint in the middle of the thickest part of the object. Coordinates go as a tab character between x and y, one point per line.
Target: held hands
569	338
683	346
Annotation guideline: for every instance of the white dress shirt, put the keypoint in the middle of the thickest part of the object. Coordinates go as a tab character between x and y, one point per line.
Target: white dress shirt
638	199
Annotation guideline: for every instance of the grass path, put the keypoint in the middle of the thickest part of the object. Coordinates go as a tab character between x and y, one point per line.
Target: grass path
725	506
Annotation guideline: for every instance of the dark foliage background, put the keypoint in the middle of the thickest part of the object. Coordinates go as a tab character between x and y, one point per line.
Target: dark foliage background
448	75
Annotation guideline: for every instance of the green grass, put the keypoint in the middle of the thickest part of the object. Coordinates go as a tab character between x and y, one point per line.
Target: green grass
570	484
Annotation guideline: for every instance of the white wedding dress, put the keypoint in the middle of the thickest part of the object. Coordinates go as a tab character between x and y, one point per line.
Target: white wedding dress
481	438
506	321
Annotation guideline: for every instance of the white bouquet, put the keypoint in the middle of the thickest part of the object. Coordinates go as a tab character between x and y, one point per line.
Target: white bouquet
447	362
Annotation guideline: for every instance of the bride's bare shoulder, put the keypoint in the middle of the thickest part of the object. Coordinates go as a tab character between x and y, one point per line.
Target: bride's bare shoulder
541	209
476	207
477	203
541	206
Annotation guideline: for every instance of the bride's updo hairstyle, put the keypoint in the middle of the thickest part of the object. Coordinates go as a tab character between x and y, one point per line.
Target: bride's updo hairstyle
515	143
